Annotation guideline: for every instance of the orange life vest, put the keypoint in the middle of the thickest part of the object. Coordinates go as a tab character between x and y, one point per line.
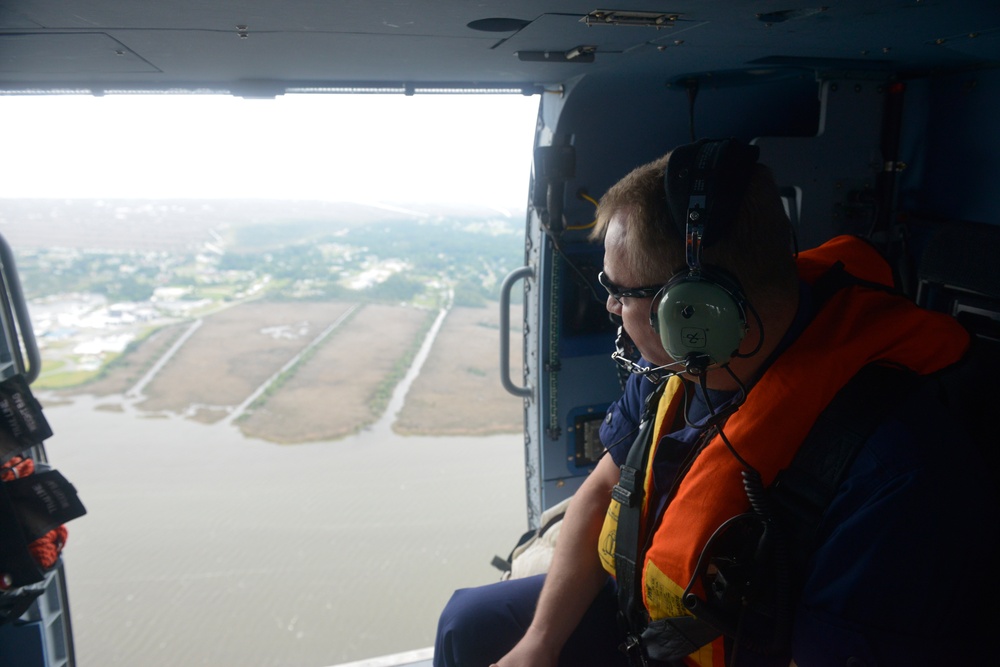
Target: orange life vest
857	326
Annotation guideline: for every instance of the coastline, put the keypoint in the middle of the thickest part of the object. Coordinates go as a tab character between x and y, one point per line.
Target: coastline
202	546
205	543
223	369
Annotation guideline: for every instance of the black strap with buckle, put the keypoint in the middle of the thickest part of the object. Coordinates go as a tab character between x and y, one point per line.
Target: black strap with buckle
629	493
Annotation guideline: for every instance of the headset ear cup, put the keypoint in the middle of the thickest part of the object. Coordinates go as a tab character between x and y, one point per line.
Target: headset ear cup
701	316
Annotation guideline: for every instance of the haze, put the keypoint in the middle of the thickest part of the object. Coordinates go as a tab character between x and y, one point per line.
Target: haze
365	148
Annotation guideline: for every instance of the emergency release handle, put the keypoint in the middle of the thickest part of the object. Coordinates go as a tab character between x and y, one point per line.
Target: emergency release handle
505	287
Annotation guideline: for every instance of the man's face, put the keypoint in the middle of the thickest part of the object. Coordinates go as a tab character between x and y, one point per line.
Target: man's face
634	311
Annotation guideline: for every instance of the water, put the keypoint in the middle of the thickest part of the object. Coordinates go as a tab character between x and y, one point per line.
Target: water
204	547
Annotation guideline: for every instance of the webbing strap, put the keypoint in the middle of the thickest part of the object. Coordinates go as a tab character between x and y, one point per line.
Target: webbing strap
629	493
800	493
804	490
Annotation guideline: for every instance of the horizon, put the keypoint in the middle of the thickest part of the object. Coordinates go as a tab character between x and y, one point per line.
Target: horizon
421	210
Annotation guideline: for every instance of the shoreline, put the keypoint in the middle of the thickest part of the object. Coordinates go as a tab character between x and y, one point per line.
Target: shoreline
201	546
452	381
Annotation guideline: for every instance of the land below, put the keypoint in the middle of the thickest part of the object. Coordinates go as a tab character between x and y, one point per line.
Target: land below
325	371
296	323
219	377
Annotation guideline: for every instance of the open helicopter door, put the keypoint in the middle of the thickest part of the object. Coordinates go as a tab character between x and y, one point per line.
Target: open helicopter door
34	608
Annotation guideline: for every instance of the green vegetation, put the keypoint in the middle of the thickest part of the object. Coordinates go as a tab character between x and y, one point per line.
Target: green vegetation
379	400
124	276
397	261
290	372
65	380
211	255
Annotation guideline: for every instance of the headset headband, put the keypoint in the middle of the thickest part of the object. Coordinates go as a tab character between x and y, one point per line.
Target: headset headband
705	183
701	313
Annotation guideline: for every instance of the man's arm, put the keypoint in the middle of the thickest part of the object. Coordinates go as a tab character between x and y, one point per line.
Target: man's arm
575	576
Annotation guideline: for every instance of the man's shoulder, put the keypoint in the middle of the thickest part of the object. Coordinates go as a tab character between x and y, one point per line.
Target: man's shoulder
923	464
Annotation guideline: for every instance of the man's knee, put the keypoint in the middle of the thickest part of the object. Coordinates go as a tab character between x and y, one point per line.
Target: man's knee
480	625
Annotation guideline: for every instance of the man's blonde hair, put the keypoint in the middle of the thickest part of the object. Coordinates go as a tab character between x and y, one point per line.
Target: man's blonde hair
756	248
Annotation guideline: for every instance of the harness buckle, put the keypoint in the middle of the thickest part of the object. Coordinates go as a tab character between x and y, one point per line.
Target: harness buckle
626	490
632	648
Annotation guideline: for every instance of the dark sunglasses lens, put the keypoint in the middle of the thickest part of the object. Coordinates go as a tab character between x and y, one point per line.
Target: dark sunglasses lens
611	288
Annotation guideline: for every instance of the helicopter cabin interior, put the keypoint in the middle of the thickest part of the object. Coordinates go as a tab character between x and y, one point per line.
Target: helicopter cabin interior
877	118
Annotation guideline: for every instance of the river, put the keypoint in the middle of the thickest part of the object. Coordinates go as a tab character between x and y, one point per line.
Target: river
204	547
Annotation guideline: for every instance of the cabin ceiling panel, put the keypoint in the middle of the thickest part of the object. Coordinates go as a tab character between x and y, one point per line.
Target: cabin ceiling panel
319	56
191	43
415	17
34	55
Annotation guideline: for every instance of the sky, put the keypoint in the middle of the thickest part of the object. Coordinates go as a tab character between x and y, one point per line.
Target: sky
368	148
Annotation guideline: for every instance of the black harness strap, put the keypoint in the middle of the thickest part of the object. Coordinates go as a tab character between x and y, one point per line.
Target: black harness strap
799	497
795	503
801	493
629	493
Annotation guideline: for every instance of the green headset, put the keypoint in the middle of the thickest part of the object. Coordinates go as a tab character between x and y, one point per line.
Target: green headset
701	312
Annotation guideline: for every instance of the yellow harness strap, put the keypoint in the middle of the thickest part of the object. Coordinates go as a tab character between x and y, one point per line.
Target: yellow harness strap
666	411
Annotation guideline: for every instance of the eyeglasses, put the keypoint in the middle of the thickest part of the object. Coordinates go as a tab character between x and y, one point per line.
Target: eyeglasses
618	293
